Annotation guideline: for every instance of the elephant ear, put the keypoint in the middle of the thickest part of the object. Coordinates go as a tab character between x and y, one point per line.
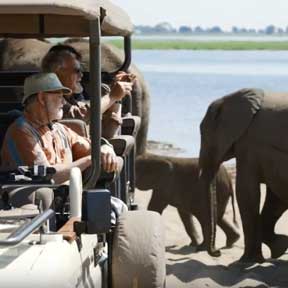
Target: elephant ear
226	120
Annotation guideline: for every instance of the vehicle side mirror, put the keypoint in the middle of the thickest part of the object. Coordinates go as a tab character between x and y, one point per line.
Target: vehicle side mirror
96	211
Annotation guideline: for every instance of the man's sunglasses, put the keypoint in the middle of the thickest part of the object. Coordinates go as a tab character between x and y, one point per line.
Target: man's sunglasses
78	70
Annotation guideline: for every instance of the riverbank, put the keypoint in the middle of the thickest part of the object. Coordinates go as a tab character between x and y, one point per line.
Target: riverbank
168	149
204	45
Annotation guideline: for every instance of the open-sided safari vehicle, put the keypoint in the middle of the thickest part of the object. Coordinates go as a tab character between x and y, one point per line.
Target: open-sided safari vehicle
86	251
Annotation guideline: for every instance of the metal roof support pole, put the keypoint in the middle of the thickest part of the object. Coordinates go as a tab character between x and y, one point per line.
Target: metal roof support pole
127	51
95	101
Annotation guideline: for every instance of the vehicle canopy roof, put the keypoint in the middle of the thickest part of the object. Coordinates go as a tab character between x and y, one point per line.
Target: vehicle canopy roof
61	18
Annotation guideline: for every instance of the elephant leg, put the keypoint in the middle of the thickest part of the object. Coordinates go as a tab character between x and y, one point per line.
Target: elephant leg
157	203
188	222
248	197
230	230
228	227
272	210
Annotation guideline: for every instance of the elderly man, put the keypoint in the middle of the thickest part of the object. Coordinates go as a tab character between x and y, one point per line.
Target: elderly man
37	138
64	60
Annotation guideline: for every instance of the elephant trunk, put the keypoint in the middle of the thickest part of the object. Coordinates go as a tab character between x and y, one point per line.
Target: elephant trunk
213	214
210	213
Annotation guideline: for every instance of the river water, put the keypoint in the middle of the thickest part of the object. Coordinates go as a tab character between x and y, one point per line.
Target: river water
182	83
211	37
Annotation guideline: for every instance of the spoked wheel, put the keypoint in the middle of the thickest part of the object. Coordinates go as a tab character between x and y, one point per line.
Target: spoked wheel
138	256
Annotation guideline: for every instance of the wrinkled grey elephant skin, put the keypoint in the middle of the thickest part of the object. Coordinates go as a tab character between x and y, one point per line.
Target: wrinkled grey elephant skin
26	54
250	125
175	182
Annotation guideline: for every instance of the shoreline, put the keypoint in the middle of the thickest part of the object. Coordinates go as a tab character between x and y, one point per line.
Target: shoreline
204	45
168	149
163	148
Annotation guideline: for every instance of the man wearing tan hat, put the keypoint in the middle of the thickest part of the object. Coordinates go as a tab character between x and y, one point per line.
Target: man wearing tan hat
37	138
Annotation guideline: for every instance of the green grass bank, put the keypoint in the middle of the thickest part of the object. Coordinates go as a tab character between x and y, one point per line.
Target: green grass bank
204	45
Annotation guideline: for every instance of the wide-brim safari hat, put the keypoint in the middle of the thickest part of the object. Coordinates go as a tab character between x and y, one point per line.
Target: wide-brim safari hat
43	82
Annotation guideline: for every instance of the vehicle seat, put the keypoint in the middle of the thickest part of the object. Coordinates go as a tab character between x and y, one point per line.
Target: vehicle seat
130	125
77	125
29	210
5	120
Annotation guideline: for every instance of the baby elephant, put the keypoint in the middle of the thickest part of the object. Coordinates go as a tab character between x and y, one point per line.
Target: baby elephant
175	182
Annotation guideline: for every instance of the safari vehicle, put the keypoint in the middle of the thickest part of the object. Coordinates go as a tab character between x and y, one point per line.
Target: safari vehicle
87	250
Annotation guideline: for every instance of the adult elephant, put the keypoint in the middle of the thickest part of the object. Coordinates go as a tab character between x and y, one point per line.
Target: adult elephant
250	125
26	54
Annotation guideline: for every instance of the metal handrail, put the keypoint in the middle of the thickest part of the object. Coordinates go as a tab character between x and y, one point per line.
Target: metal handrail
26	229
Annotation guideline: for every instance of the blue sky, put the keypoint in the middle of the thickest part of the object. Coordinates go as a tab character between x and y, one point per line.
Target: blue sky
225	13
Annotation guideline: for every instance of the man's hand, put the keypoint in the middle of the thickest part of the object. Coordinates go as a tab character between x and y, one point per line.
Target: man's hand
126	77
81	111
122	86
120	89
108	159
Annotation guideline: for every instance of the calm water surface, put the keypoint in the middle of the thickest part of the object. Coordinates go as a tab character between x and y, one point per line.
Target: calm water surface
211	37
183	83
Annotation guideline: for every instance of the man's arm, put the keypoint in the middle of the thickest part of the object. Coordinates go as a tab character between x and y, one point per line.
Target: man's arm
63	170
119	90
22	147
81	148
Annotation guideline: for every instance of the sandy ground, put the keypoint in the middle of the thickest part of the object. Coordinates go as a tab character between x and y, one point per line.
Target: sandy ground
185	268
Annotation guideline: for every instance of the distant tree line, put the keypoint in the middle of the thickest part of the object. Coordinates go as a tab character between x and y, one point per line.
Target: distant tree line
165	28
